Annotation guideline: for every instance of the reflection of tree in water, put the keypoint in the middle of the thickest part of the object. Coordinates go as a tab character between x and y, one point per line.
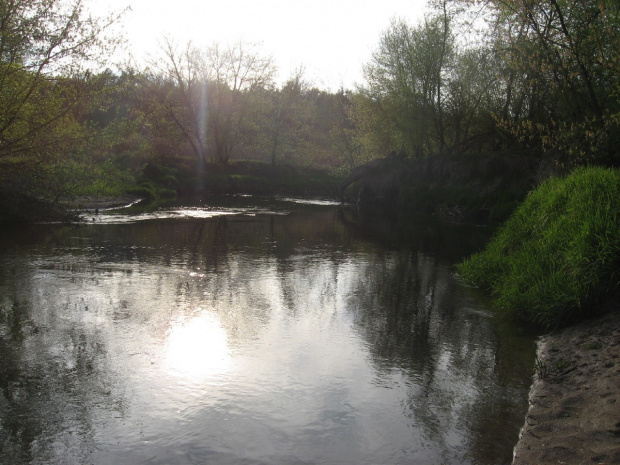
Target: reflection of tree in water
422	232
414	315
52	377
418	320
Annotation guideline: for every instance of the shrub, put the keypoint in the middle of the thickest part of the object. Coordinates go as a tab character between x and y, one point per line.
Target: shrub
557	257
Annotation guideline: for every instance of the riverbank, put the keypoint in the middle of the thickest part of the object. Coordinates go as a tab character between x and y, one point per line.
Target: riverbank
474	188
16	208
574	414
103	203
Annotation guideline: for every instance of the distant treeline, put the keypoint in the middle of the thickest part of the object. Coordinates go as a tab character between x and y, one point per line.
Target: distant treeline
516	76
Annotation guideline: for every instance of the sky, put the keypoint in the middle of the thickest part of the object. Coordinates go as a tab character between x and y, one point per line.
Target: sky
330	39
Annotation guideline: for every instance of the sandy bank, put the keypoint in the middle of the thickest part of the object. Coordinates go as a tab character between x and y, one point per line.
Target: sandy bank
574	414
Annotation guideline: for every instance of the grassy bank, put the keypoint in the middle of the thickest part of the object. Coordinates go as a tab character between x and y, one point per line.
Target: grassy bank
557	258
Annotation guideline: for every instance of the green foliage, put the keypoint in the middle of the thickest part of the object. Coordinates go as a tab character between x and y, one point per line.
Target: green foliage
405	84
542	76
103	180
561	76
427	94
558	255
44	48
155	182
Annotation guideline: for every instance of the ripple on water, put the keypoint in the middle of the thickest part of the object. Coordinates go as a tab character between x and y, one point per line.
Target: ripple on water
283	339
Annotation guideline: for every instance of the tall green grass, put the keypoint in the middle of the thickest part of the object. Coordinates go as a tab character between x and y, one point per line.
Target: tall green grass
558	256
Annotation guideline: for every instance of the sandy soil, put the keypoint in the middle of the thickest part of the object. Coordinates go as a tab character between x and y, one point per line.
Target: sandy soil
574	414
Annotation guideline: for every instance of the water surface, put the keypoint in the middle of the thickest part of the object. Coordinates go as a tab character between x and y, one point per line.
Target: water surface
258	331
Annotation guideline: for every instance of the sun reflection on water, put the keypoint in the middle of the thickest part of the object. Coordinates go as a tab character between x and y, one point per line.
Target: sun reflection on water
197	348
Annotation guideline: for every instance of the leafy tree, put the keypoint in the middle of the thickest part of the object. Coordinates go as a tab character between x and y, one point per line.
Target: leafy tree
234	75
207	93
179	84
543	75
473	96
45	48
562	76
342	131
298	124
329	141
284	117
406	83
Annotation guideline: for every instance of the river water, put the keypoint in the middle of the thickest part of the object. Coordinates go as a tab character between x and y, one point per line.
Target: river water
253	331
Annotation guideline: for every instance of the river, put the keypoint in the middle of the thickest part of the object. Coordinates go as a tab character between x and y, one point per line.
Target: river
253	331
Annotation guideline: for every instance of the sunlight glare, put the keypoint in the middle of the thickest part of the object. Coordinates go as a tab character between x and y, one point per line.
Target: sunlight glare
198	348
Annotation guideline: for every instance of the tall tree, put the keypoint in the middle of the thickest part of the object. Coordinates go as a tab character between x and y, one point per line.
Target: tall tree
407	83
286	109
179	81
234	74
207	93
562	74
473	96
46	48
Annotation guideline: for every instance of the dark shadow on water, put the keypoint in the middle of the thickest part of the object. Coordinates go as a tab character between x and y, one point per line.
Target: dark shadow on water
423	232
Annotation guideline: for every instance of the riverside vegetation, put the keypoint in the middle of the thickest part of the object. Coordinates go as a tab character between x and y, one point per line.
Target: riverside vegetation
523	79
557	259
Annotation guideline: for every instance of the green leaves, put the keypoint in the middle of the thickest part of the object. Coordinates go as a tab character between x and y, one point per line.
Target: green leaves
562	67
45	49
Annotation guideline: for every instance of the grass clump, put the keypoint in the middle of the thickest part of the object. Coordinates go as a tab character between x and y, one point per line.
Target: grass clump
557	257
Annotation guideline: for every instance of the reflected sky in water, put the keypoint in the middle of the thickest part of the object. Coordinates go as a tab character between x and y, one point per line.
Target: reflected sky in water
276	335
197	348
